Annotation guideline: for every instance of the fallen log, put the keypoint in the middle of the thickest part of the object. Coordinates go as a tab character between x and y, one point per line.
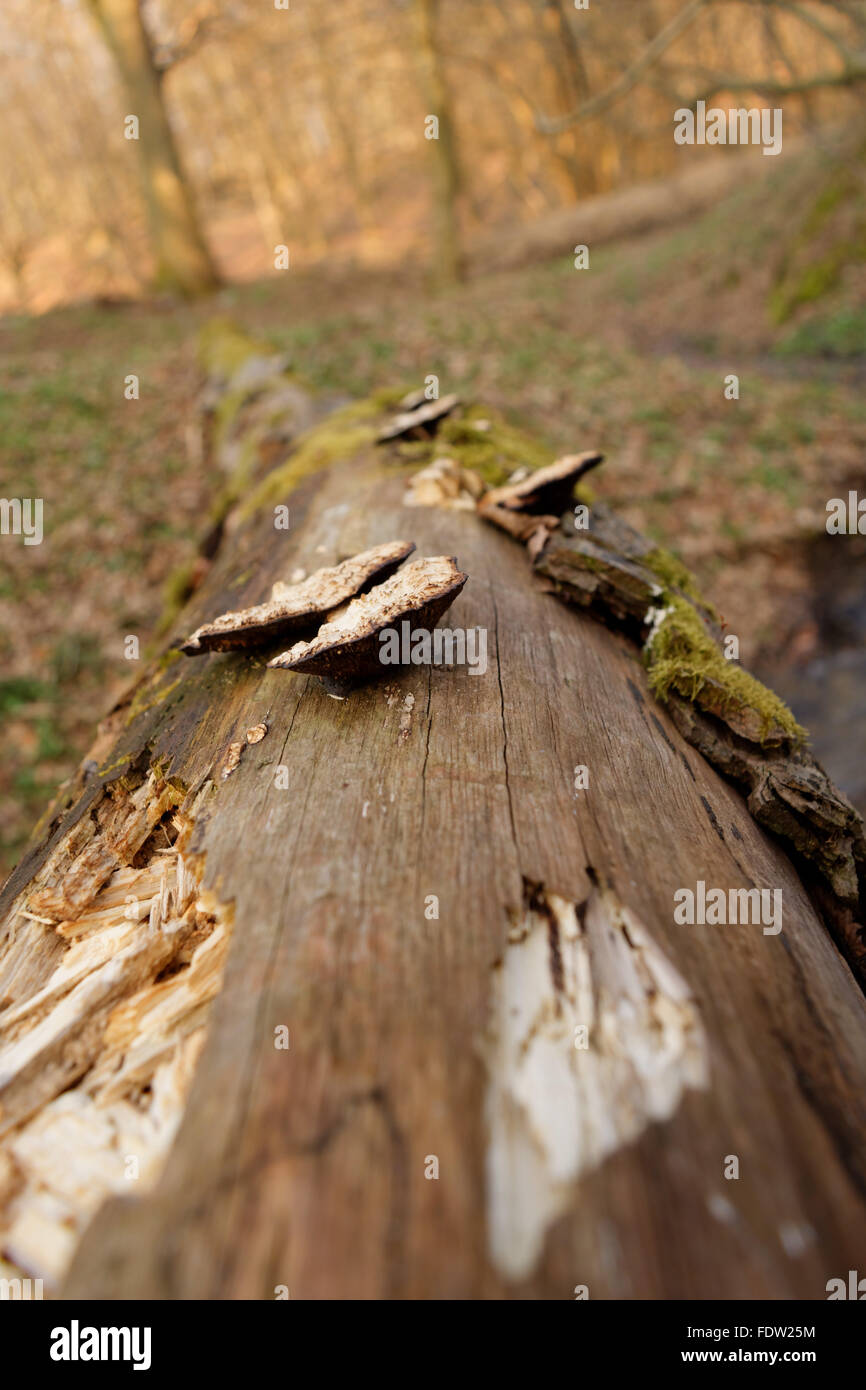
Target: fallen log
642	207
392	995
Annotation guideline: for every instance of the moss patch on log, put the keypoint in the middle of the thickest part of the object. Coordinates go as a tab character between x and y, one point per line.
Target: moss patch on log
146	697
223	347
343	435
481	440
681	656
672	573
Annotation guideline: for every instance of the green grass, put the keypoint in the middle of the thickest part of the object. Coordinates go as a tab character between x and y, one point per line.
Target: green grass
841	335
21	691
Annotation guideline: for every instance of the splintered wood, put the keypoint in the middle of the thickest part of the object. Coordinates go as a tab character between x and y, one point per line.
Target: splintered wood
108	965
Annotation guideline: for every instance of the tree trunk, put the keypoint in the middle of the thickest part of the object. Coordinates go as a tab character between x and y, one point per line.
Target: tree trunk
183	262
461	1047
449	258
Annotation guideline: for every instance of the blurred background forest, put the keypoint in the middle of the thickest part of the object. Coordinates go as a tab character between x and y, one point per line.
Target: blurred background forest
268	124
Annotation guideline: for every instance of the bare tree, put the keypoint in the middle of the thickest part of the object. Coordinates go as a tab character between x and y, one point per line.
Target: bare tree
447	170
848	41
183	261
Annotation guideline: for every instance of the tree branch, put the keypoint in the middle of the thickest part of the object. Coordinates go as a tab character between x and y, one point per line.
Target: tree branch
806	17
200	26
624	84
847	77
852	73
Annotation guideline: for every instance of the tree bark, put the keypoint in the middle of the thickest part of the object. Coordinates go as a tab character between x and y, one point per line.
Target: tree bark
461	1047
183	262
448	253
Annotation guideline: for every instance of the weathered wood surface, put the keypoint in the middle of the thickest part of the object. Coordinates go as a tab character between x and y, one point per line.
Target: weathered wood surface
413	1037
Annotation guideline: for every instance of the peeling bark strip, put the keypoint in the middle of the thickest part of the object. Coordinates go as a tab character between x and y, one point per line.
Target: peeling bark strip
372	855
593	1036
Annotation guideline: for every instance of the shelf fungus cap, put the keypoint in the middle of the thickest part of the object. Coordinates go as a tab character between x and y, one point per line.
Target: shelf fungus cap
349	650
292	608
423	415
548	490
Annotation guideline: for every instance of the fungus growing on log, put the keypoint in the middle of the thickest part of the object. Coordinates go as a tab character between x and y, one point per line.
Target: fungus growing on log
348	650
547	490
443	483
294	607
531	530
423	418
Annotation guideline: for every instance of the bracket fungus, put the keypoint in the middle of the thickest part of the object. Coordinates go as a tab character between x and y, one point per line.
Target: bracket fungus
417	417
546	490
529	510
294	608
443	483
347	650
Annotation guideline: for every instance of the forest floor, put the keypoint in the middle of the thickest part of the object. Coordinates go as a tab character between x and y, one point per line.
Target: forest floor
629	356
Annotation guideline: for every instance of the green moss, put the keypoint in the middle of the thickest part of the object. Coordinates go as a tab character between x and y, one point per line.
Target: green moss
223	347
341	436
479	439
178	585
682	656
672	573
792	287
145	698
247	463
112	767
227	410
389	397
816	279
840	334
493	451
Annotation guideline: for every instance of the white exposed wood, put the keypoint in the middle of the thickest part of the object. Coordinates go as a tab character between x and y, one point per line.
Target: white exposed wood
560	1099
